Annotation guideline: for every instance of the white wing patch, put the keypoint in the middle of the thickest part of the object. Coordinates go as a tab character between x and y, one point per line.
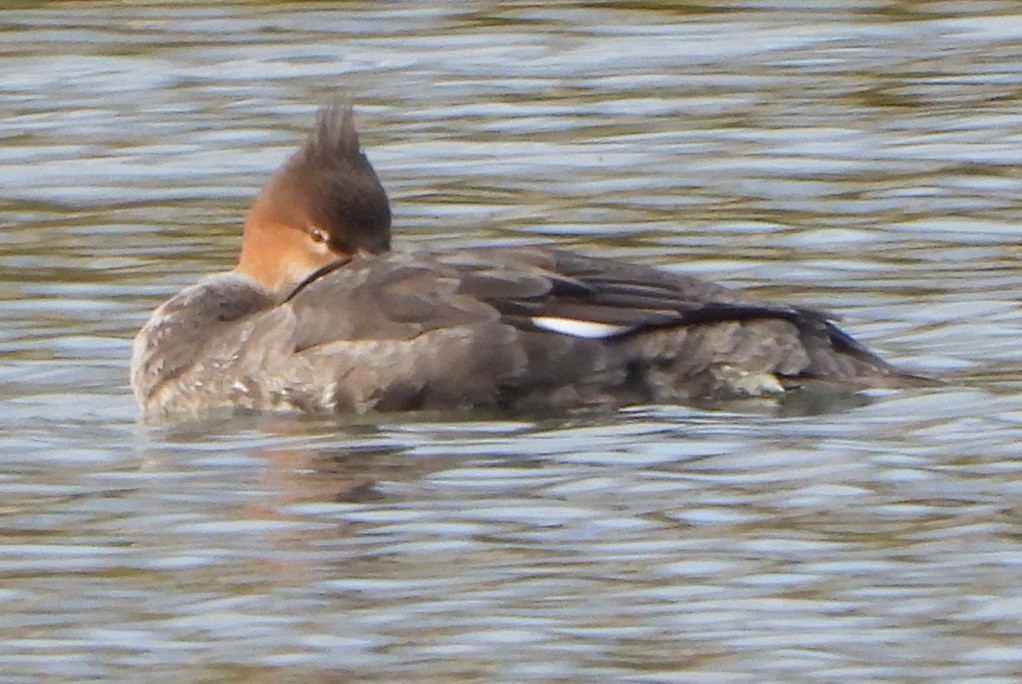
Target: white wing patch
589	329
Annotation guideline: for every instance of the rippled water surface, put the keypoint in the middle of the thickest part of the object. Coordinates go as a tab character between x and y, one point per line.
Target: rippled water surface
859	156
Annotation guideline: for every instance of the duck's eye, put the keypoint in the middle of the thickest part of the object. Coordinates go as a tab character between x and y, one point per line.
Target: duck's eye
319	236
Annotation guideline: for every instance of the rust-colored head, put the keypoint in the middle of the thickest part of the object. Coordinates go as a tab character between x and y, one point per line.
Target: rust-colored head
324	204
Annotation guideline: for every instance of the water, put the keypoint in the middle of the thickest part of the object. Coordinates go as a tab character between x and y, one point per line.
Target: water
855	156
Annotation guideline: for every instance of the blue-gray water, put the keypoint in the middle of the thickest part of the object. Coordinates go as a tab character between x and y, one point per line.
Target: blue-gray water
860	157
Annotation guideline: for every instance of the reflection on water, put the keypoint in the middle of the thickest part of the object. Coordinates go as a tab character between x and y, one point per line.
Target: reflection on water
854	157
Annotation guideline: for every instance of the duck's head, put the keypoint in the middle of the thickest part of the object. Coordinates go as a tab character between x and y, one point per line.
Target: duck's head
324	204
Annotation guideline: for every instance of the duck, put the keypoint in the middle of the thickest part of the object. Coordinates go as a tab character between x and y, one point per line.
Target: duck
320	315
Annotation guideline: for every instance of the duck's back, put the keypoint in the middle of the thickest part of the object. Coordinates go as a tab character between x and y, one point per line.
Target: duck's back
486	327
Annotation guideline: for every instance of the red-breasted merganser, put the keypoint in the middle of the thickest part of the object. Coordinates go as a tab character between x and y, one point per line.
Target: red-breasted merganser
320	316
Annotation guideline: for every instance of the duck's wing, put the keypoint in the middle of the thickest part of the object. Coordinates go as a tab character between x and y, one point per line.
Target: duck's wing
600	298
649	308
401	295
451	328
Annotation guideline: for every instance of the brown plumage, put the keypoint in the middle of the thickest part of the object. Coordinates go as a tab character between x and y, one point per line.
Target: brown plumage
321	316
